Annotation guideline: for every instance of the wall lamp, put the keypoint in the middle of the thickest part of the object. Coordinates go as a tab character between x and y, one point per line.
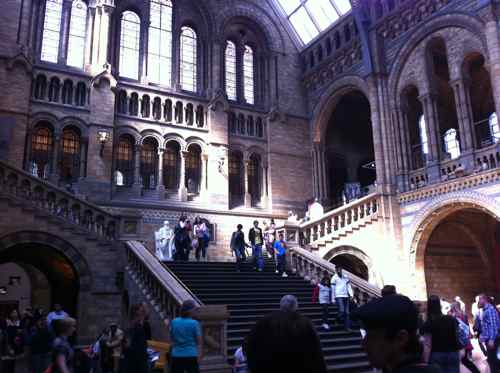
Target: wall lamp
103	138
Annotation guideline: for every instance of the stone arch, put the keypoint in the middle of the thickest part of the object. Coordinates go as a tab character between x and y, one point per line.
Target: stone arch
74	122
198	141
426	221
151	133
374	276
176	138
257	150
46	118
259	17
470	23
129	130
327	104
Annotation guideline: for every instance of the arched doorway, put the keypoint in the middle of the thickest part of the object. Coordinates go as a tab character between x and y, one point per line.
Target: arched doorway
42	259
459	256
349	151
351	264
236	187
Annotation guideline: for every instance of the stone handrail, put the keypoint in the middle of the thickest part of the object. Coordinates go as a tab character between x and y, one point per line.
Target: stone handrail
312	267
166	293
61	204
340	219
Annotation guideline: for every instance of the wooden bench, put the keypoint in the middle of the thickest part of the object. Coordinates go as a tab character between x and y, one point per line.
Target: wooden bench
163	348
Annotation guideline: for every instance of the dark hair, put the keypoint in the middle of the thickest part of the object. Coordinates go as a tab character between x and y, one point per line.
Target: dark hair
239	226
388	290
284	342
434	307
134	310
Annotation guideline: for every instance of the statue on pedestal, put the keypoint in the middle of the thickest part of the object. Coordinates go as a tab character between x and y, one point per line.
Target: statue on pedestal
164	242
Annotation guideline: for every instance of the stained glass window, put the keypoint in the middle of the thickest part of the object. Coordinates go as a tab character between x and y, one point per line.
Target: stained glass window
230	70
160	42
248	75
188	59
129	45
77	30
51	30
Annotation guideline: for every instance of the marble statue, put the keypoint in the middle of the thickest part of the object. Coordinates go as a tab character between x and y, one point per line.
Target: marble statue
164	242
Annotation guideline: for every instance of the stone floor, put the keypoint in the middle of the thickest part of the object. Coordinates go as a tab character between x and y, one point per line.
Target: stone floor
478	358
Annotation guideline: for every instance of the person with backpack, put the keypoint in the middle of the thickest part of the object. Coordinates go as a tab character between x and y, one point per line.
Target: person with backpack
441	345
464	336
238	245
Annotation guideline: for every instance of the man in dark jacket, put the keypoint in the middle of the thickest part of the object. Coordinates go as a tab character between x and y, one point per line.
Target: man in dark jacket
391	340
256	239
182	240
238	245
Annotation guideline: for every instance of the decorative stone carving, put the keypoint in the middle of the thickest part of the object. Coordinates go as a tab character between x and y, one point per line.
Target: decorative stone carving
164	242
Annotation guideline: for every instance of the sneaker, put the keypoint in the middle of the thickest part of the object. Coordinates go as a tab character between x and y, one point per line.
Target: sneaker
284	275
259	270
325	326
276	271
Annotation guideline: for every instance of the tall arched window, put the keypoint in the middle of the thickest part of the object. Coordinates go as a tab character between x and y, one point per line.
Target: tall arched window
494	127
149	163
129	45
76	38
51	30
193	169
125	161
171	165
188	59
160	42
451	144
41	151
248	75
423	135
230	77
69	166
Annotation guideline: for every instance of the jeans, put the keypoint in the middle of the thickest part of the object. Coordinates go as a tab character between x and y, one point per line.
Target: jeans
449	362
469	364
281	264
201	249
240	255
343	304
491	355
326	313
258	260
184	365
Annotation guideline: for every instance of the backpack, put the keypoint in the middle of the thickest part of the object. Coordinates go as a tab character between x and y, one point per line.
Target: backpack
463	334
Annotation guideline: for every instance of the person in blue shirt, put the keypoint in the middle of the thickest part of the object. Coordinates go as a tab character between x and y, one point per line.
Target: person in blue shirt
280	250
186	337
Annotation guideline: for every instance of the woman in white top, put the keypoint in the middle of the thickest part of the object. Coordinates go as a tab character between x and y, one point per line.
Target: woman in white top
324	298
240	360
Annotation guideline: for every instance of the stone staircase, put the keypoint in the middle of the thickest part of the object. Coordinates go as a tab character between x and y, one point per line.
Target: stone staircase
249	295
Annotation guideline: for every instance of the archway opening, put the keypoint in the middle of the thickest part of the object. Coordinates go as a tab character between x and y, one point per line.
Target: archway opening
461	256
352	264
41	262
349	150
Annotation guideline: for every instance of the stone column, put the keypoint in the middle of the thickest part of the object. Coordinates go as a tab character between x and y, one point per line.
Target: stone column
63	40
264	196
182	181
404	153
493	43
89	34
100	37
432	126
137	186
203	176
28	153
465	124
83	158
248	197
54	176
160	187
315	173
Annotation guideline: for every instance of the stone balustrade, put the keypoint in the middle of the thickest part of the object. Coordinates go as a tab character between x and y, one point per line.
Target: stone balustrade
156	106
312	268
166	293
418	178
487	158
334	222
61	88
27	189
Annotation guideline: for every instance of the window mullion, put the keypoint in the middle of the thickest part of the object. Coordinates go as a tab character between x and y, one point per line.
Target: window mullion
335	7
315	23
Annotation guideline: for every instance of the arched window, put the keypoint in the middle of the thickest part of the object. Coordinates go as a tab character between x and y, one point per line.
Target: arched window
54	89
122	102
51	30
260	128
133	104
149	163
188	59
171	165
77	31
451	144
67	92
248	75
41	151
70	155
423	135
236	190
230	76
494	127
81	94
125	160
193	169
250	126
160	42
129	45
254	178
40	87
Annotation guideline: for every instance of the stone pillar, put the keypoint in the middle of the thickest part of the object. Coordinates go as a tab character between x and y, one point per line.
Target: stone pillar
63	40
403	145
182	181
89	34
432	126
264	196
29	150
100	37
137	186
315	173
248	197
160	186
465	126
54	177
203	175
493	43
83	158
